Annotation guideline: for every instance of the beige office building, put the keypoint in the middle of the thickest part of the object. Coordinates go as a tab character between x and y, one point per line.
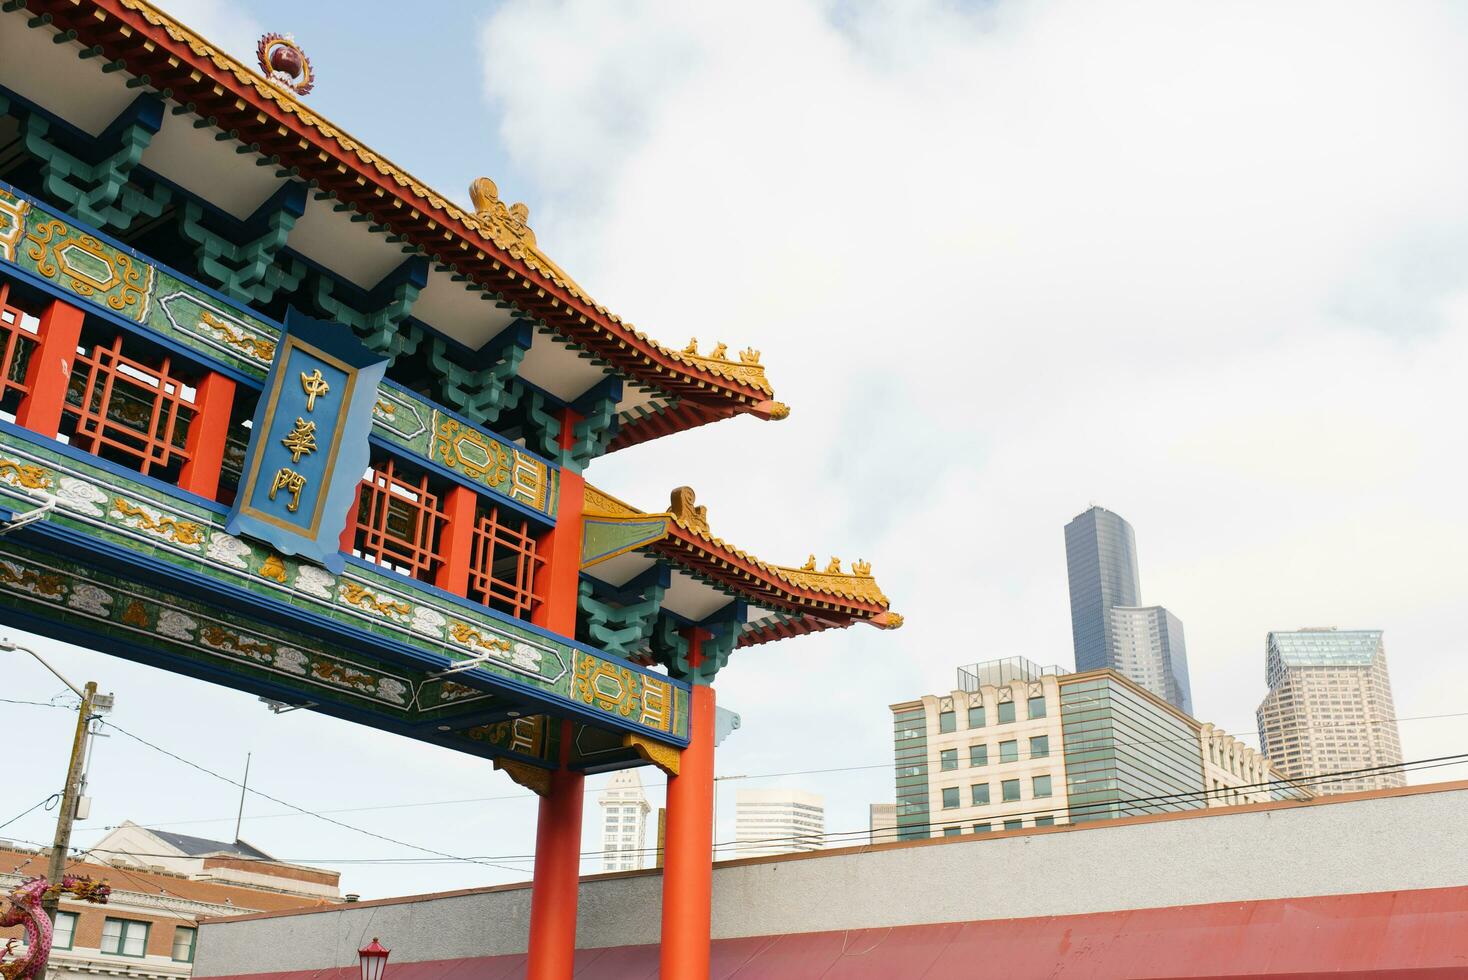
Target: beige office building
1019	745
624	810
778	821
1329	710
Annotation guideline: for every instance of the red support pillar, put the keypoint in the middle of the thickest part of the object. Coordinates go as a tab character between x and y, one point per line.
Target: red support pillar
213	406
562	549
555	892
553	897
50	369
688	849
461	510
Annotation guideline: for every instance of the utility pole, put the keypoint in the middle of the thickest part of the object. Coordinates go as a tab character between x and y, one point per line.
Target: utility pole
61	845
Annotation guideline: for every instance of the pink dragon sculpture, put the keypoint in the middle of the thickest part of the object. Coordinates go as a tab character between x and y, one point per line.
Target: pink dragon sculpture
25	910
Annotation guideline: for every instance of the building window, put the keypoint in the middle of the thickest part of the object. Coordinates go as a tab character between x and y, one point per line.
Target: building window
124	937
946	722
1011	790
976	716
503	563
399	522
65	930
132	412
1042	786
950	797
979	794
952	831
1044	821
983	828
1006	712
978	755
1037	707
183	944
948	759
1009	751
1039	746
1015	824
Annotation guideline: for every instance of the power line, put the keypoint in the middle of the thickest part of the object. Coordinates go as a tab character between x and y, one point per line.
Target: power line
273	799
1142	804
45	803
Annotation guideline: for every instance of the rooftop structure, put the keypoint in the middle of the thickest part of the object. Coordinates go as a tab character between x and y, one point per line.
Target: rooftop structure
1329	709
200	859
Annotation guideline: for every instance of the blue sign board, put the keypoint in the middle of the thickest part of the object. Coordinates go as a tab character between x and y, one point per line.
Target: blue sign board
308	442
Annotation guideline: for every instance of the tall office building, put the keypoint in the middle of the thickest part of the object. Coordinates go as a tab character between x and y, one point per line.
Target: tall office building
778	821
624	809
1108	624
1329	709
1017	745
1101	562
1147	646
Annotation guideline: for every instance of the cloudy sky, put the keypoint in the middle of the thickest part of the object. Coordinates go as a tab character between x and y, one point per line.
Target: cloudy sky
1204	264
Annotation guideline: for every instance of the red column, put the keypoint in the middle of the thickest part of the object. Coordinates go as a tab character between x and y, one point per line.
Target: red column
688	848
460	508
213	405
50	369
553	898
562	550
554	894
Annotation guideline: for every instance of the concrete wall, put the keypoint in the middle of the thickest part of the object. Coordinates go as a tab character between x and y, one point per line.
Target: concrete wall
1396	840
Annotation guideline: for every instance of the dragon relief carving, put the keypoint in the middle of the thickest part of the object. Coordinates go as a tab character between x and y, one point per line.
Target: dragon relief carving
181	532
362	598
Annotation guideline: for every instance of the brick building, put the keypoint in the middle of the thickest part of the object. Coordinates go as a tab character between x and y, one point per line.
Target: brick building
162	887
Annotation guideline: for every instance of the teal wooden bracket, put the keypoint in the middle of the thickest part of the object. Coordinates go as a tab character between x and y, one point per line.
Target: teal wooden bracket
483	394
721	634
626	627
96	186
249	268
542	427
379	317
598	424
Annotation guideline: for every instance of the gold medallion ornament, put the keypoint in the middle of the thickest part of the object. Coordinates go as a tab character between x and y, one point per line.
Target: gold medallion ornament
284	63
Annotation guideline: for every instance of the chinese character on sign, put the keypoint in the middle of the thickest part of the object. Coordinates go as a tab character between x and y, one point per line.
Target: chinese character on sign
313	384
291	482
302	439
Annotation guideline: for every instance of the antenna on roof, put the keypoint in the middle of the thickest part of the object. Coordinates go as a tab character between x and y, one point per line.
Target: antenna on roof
243	786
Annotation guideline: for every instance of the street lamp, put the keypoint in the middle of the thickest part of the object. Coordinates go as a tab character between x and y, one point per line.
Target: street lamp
373	958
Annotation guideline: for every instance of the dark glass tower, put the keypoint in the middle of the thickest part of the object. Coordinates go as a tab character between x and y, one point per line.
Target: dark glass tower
1101	560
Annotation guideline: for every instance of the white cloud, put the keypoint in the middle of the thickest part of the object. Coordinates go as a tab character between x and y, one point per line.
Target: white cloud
1198	263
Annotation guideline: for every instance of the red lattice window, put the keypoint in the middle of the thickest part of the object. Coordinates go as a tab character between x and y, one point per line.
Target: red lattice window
504	562
129	411
399	522
17	339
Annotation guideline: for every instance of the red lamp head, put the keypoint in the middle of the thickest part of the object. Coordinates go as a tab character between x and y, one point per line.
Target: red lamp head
373	958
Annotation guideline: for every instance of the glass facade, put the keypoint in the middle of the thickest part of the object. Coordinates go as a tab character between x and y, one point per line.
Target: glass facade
1125	755
910	738
1101	564
1147	646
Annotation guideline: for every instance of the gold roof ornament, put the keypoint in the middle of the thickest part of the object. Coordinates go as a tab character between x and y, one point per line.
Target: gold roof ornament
860	567
508	226
834	566
810	564
682	510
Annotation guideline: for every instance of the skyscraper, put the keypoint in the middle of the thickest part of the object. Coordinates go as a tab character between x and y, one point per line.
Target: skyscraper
624	822
778	821
1109	625
1147	646
1101	562
1329	709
